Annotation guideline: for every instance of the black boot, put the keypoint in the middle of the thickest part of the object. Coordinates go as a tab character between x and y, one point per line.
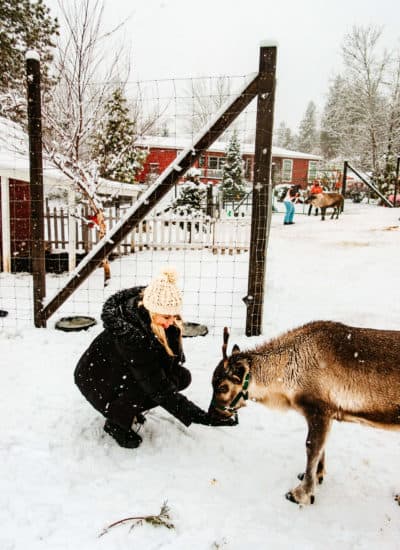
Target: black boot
125	438
139	418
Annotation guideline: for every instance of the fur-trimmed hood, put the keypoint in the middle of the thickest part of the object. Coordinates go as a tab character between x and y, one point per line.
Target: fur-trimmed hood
122	314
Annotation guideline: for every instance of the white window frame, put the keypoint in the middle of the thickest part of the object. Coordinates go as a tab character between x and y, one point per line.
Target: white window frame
219	162
312	170
287	170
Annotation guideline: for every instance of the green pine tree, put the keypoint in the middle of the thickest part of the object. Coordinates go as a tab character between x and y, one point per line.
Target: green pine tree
114	145
190	200
232	185
24	25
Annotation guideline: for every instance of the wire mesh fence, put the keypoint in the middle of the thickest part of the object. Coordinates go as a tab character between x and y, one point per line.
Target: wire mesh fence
209	252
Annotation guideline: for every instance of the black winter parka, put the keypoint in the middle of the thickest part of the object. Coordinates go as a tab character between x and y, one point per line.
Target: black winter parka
127	370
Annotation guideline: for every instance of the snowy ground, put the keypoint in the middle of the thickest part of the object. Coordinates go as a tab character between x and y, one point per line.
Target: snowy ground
63	480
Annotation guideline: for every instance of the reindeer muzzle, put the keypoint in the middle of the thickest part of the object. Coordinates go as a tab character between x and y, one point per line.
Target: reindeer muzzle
232	408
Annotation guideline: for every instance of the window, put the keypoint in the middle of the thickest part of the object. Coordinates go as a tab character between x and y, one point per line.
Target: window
287	170
216	163
312	170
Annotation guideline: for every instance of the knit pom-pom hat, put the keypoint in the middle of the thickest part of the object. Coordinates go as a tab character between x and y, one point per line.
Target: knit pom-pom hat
162	295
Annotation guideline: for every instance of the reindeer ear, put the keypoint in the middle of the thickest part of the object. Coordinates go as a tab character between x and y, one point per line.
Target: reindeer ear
235	349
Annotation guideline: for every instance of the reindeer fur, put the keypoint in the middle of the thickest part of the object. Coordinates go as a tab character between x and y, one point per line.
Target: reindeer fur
324	370
327	200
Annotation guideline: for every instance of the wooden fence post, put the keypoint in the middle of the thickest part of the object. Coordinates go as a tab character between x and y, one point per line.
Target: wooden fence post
71	245
36	184
344	182
262	190
396	182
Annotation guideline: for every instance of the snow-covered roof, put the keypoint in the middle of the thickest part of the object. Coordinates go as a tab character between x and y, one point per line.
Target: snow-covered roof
14	163
218	147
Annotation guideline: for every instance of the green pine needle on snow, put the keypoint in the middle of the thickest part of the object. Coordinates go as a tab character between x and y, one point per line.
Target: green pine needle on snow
163	519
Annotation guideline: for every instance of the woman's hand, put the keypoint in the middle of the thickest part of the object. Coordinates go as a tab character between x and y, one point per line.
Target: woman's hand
207	419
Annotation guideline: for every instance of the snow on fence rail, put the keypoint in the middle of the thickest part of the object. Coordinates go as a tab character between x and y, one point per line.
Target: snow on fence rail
165	232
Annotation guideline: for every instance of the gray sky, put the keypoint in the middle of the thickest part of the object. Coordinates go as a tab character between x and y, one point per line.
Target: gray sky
184	38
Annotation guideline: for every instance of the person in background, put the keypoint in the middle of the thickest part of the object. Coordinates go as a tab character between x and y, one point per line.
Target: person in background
136	362
291	195
315	189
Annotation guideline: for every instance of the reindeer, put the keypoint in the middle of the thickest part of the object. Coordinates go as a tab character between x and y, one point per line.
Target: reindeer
327	200
325	371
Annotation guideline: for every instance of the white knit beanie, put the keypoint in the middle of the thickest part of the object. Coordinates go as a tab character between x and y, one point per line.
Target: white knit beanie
162	295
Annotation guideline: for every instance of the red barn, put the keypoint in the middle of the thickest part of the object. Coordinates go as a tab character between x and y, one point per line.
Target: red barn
287	166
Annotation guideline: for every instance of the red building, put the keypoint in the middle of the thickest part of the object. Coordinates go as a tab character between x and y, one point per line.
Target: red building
287	166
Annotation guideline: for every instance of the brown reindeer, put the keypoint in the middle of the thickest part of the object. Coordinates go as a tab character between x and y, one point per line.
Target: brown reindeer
324	370
327	200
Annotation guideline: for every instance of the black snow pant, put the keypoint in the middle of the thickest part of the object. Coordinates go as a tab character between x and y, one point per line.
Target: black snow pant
126	406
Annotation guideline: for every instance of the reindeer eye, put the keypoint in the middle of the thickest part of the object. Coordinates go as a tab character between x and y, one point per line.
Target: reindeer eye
222	389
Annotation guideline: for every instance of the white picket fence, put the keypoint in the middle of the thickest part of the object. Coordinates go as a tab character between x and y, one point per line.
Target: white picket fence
165	232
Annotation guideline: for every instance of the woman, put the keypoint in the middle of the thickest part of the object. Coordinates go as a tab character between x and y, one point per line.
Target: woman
316	189
135	364
291	195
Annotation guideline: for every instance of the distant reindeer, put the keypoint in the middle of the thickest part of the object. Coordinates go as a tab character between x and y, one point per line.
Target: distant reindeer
327	200
325	371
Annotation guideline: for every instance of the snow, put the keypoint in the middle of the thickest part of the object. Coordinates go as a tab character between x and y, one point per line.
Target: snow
271	43
32	54
14	163
217	146
64	480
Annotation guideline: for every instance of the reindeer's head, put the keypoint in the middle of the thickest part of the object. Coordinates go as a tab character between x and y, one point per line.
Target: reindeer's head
230	381
309	198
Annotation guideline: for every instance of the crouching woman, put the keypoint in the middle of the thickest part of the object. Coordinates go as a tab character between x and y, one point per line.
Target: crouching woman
136	362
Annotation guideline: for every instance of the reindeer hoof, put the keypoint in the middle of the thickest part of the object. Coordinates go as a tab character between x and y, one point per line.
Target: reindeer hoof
320	480
290	497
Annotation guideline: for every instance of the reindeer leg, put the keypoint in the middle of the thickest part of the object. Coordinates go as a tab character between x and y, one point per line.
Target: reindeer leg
319	423
323	210
320	470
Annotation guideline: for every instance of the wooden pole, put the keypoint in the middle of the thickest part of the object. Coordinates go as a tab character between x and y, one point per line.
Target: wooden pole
71	230
210	205
371	186
262	191
396	182
344	181
36	185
